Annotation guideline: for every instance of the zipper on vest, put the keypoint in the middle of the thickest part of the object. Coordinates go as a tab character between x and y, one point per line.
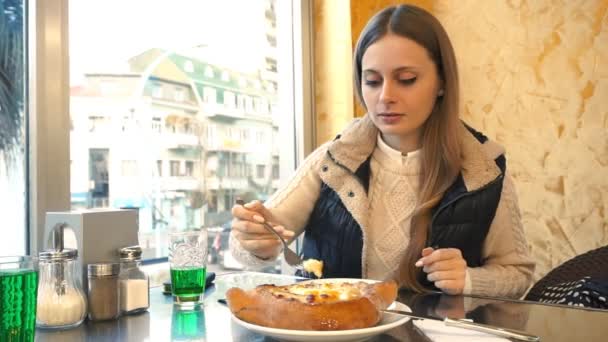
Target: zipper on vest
440	209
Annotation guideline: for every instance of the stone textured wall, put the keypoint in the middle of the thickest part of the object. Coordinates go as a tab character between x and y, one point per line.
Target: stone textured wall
534	77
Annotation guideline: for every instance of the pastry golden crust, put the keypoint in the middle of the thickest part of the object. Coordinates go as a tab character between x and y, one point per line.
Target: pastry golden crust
313	266
313	305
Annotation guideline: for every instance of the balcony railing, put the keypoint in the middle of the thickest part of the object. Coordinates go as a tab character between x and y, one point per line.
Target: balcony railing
179	183
217	183
181	140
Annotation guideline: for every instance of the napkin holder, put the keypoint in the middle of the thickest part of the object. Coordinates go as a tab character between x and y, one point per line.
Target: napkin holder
97	234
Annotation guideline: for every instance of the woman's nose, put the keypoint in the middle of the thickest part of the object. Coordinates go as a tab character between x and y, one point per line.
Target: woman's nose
387	93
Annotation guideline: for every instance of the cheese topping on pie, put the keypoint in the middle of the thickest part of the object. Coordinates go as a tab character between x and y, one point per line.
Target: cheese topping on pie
319	293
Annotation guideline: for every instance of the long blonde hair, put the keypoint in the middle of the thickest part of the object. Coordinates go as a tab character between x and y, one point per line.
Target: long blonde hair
441	155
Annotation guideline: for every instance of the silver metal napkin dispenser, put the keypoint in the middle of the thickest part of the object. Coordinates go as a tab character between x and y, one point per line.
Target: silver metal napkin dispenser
96	233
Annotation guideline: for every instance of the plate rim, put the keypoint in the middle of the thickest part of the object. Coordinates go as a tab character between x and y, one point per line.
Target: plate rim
329	333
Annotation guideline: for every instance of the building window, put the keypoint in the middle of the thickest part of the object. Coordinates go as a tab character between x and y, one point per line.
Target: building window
98	123
227	201
209	72
259	137
229	100
225	76
249	104
189	168
159	168
261	171
188	66
174	168
157	90
212	204
245	135
275	171
156	125
209	95
241	102
179	94
211	134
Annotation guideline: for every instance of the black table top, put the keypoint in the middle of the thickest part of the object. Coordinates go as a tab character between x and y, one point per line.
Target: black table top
164	322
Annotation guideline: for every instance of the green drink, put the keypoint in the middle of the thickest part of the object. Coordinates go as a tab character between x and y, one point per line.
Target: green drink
18	291
188	283
188	262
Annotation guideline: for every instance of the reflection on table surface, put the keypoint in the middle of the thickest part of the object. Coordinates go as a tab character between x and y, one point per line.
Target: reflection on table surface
212	322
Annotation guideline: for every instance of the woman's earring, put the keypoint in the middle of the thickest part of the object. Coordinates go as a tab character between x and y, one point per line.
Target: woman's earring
440	93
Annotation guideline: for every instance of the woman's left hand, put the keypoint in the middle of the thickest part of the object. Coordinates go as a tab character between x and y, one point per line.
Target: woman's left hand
445	267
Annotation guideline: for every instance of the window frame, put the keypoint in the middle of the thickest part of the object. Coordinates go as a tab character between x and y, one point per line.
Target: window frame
48	98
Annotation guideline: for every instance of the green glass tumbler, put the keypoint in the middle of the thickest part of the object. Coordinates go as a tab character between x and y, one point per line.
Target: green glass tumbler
18	293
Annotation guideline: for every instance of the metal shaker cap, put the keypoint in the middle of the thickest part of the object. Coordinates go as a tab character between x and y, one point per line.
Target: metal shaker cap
130	253
58	255
103	269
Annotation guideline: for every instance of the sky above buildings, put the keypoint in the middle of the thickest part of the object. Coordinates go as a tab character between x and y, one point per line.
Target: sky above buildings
104	34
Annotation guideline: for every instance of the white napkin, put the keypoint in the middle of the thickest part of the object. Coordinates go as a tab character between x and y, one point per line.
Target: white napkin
439	332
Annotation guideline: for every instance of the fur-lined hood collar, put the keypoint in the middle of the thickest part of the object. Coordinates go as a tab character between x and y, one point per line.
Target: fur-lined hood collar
357	142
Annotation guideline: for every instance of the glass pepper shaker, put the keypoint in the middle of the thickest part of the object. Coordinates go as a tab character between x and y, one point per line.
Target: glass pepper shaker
134	283
61	300
104	292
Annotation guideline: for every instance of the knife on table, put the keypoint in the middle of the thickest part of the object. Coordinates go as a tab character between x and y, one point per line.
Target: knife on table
460	323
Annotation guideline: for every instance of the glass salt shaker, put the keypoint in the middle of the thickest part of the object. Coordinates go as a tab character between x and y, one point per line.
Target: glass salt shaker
134	283
104	292
61	299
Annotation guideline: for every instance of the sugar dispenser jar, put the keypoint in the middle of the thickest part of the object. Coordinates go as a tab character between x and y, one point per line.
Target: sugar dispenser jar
61	300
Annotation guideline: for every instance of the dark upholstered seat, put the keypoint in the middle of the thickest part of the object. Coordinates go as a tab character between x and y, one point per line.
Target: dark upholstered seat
593	264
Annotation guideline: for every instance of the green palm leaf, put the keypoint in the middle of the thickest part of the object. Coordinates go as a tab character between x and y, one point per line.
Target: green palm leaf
11	75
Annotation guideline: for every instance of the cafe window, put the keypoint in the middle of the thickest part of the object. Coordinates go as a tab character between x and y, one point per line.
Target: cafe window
13	123
148	62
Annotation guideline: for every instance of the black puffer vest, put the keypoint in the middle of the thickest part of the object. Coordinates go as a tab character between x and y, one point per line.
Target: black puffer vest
461	220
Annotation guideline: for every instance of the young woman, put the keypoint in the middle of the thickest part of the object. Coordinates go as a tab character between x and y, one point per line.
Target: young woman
407	192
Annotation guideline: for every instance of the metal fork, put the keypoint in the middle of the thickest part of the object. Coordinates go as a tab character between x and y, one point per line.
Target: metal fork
290	256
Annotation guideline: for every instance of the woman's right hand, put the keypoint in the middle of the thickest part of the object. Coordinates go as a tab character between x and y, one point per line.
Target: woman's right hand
247	228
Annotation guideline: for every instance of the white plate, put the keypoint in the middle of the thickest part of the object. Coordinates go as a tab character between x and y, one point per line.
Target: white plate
387	322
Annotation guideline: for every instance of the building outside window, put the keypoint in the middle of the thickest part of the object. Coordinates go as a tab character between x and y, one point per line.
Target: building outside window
189	168
157	90
174	168
159	168
261	171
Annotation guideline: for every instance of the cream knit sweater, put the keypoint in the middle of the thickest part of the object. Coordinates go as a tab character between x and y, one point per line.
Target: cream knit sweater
384	212
392	196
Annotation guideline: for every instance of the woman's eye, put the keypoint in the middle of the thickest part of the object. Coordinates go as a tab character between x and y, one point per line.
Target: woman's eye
407	81
372	83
